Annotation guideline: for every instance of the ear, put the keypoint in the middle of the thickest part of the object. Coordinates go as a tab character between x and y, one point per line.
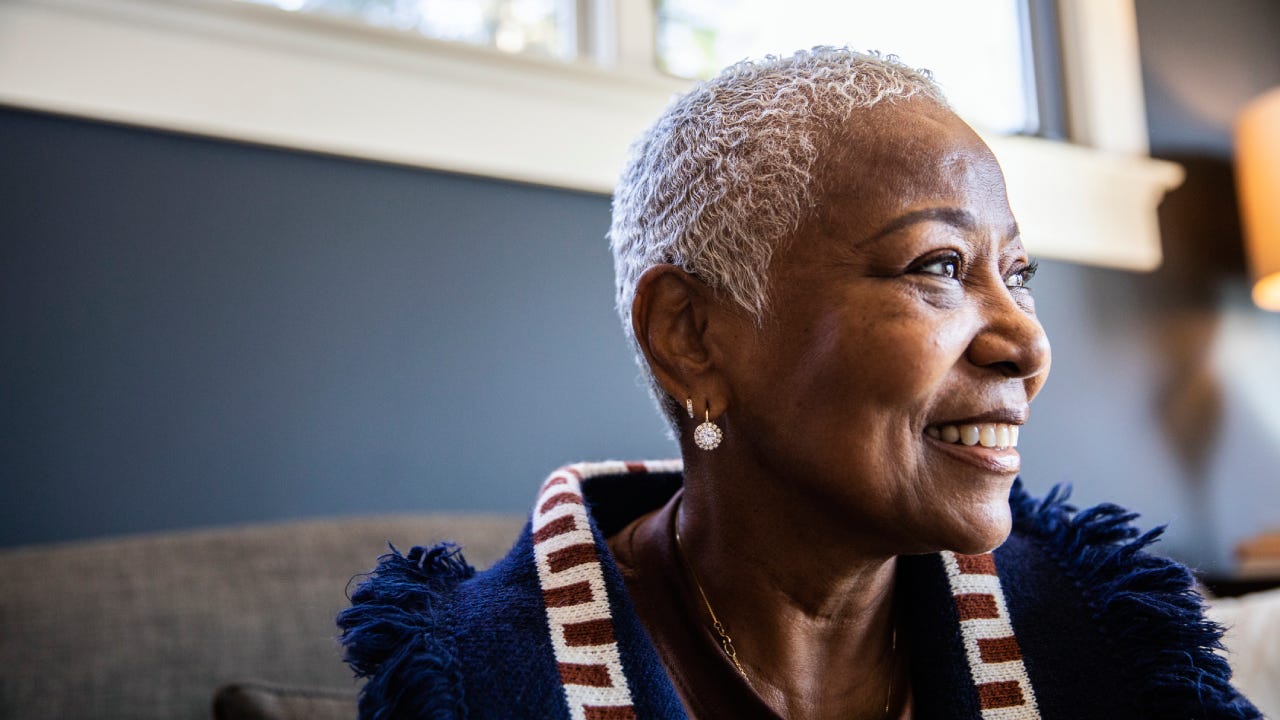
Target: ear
670	316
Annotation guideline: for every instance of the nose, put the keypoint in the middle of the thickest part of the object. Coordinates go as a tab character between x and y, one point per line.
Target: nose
1010	341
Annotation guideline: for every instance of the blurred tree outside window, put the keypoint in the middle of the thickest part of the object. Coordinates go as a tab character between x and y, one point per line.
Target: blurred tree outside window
537	27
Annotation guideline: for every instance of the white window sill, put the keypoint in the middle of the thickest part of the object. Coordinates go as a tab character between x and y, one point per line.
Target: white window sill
255	74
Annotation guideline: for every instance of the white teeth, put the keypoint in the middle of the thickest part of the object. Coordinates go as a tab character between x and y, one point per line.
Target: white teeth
990	435
987	435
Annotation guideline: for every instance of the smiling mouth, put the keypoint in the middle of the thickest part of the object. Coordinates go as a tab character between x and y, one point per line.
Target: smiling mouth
987	435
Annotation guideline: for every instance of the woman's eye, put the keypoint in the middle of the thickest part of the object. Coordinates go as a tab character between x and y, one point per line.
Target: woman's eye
947	267
1020	278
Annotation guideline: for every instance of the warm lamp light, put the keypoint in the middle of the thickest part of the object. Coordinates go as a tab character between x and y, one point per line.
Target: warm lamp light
1258	181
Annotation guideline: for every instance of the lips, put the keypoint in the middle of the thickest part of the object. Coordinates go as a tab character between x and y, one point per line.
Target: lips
987	442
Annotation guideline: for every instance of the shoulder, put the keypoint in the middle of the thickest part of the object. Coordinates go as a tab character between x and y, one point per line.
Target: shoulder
1097	614
435	638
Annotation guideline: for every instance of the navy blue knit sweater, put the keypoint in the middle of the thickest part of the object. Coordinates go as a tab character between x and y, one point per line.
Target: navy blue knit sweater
1068	619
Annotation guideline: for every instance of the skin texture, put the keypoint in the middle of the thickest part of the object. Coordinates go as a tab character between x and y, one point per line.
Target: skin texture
896	307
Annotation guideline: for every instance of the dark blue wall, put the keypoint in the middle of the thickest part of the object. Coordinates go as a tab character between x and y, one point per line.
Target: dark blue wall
198	332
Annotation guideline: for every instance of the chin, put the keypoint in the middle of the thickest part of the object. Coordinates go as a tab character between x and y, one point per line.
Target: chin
982	531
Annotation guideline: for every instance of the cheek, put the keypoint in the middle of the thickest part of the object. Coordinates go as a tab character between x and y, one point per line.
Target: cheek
849	360
900	359
876	352
949	340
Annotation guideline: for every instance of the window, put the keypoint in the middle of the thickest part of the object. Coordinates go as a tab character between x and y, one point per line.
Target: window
979	52
537	27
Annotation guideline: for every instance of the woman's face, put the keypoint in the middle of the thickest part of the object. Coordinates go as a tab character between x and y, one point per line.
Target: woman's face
897	319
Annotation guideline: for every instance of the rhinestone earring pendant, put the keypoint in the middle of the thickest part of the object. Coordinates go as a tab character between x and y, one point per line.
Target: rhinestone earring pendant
708	435
688	405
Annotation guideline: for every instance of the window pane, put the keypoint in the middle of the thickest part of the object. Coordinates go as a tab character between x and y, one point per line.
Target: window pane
977	50
540	27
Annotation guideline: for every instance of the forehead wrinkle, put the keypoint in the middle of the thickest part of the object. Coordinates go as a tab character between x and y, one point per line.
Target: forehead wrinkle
886	160
958	218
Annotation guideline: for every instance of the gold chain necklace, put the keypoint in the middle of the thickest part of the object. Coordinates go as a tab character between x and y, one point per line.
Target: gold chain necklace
726	642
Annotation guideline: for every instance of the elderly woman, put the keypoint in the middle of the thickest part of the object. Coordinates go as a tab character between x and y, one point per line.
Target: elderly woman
819	270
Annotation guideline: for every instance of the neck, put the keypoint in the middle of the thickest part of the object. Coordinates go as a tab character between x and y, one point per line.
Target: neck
815	602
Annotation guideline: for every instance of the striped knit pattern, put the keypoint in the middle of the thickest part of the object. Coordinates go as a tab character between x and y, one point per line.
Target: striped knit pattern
573	592
995	660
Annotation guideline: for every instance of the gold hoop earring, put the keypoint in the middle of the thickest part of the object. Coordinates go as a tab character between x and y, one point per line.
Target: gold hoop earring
708	435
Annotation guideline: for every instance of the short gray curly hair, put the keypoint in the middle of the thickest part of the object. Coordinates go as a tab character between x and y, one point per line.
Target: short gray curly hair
727	172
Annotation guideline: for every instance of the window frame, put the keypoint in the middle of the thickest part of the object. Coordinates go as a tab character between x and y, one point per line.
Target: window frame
215	68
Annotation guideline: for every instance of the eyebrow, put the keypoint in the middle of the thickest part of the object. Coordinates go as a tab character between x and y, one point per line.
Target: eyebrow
956	217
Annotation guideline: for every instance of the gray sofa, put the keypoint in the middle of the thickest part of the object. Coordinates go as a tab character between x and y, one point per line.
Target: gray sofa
153	626
156	626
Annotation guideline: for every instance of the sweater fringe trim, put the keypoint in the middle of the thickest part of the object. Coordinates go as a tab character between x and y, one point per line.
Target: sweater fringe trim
396	634
1146	606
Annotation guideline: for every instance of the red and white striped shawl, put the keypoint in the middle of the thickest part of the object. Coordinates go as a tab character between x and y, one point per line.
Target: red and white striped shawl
582	631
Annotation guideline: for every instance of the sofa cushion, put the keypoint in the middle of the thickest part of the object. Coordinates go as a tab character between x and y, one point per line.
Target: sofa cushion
261	701
149	626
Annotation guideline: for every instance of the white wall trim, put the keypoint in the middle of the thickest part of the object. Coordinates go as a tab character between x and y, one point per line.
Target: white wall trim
256	74
1083	205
